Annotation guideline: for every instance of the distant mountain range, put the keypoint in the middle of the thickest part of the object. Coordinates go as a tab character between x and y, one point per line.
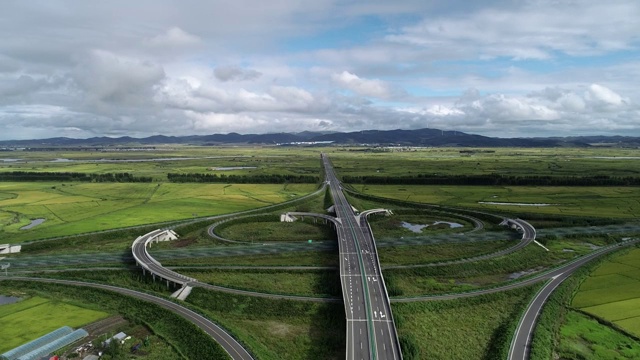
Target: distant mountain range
419	137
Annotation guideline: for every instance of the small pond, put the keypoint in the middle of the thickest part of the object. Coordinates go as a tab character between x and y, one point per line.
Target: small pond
513	204
5	300
33	224
233	168
417	228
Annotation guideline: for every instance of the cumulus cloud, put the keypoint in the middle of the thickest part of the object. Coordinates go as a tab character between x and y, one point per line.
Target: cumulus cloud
210	97
115	69
365	87
235	73
603	95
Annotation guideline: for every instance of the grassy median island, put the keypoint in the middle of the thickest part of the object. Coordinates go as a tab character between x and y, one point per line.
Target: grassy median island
424	254
476	274
315	283
269	228
297	258
277	329
411	223
479	327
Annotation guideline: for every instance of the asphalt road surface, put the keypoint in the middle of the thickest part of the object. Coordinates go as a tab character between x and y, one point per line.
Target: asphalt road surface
139	250
228	343
520	345
371	333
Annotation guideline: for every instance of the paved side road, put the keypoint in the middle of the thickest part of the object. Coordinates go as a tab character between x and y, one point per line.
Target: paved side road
228	343
520	345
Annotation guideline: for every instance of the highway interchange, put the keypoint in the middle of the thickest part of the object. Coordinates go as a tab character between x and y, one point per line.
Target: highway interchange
371	332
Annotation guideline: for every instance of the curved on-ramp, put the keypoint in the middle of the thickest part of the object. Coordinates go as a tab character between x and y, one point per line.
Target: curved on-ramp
148	263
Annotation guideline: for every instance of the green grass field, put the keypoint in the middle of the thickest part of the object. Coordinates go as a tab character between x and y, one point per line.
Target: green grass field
31	318
392	226
302	258
178	159
584	338
612	292
506	161
617	202
471	275
277	329
410	254
471	328
84	207
277	231
316	283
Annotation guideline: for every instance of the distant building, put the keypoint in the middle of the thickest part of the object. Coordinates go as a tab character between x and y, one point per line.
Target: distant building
118	337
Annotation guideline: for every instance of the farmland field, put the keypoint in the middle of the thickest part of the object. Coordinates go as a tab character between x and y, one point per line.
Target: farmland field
83	207
34	317
163	160
612	292
584	338
618	202
505	161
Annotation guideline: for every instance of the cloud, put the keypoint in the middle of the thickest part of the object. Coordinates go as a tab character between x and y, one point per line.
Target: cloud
235	73
22	85
174	37
604	95
112	68
365	87
534	30
110	78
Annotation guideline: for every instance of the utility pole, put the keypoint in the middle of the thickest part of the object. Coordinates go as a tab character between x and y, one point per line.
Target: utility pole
5	267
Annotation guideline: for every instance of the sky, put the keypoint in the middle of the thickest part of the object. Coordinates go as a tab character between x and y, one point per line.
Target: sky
506	68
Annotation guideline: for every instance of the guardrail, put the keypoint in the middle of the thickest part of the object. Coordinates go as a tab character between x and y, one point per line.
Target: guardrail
148	263
384	285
